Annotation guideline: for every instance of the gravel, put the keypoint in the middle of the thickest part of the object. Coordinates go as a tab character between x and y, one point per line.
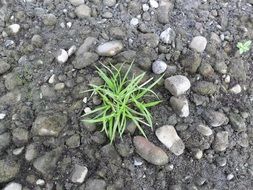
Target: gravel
177	85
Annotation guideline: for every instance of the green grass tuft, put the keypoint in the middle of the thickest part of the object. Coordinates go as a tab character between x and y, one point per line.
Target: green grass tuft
244	46
122	101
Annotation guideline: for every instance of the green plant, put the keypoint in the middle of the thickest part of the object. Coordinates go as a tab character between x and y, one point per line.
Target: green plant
244	46
122	100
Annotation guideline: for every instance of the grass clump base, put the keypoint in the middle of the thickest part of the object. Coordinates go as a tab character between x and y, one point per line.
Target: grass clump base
122	101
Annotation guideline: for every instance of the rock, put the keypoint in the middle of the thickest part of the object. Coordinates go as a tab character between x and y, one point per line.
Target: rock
76	2
215	118
61	56
169	137
237	122
221	141
14	29
206	70
221	67
83	11
238	70
145	7
72	50
134	21
59	86
204	88
180	106
85	60
243	140
204	130
168	36
20	136
73	141
5	140
149	151
18	151
50	125
109	3
4	67
98	137
40	182
13	186
191	61
230	177
95	184
37	41
198	154
49	19
47	163
153	3
9	169
177	85
109	153
88	44
51	79
236	89
79	173
149	40
12	80
164	10
124	147
31	152
159	67
198	43
110	48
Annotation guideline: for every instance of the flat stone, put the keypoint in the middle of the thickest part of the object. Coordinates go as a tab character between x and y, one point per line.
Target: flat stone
204	130
110	48
109	3
177	85
159	67
9	169
31	152
151	153
221	141
59	86
4	67
76	2
206	70
88	45
20	136
5	140
79	174
180	105
169	137
198	43
204	88
95	184
237	122
14	28
153	3
164	10
50	125
168	36
83	60
191	61
50	19
13	186
215	118
83	11
236	89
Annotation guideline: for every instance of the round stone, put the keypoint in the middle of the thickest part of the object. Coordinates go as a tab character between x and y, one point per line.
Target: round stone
198	43
159	67
83	11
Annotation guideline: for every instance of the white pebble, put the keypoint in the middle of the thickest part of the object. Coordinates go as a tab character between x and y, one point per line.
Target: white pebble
69	24
85	100
87	110
40	182
2	115
227	79
159	67
72	50
18	151
145	7
230	177
62	56
13	186
167	36
236	89
199	154
134	21
51	79
62	24
153	4
14	28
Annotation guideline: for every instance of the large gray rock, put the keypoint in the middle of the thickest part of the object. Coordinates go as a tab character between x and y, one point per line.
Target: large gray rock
31	152
177	85
12	80
8	170
204	130
20	136
149	151
4	67
49	125
110	48
47	163
164	10
169	137
50	19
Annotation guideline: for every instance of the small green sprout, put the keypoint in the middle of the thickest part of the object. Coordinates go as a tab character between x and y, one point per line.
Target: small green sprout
122	101
244	46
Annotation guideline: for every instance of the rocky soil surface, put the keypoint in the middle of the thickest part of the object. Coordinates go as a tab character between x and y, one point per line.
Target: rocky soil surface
203	129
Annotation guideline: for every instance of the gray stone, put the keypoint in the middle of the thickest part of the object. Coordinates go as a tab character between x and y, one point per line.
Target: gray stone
169	137
88	45
4	67
215	118
31	152
124	147
13	186
180	105
47	91
110	48
5	140
243	140
168	36
83	11
238	70
150	40
50	125
99	138
12	80
177	85
47	163
204	88
159	67
95	184
221	141
109	153
204	130
50	19
151	153
198	43
59	86
109	3
206	70
164	10
13	29
83	60
76	2
237	122
79	174
37	41
61	56
191	61
73	141
20	136
221	67
9	169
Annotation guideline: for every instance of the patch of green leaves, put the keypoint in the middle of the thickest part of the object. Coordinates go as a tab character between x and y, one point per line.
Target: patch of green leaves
122	101
244	46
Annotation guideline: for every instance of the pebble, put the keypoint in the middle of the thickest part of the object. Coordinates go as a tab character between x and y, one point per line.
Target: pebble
5	140
153	4
215	118
31	152
40	182
221	67
227	79
237	122
169	137
198	43
37	41
9	169
180	106
206	70
59	86
204	130
163	13
177	85
221	161
13	186
159	67
145	7
134	21
51	79
76	2
87	110
110	48
85	59
168	36
95	184
221	141
4	67
236	89
149	151
72	50
198	154
18	151
204	88
49	20
62	56
2	116
109	3
79	174
191	61
83	11
14	28
230	177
